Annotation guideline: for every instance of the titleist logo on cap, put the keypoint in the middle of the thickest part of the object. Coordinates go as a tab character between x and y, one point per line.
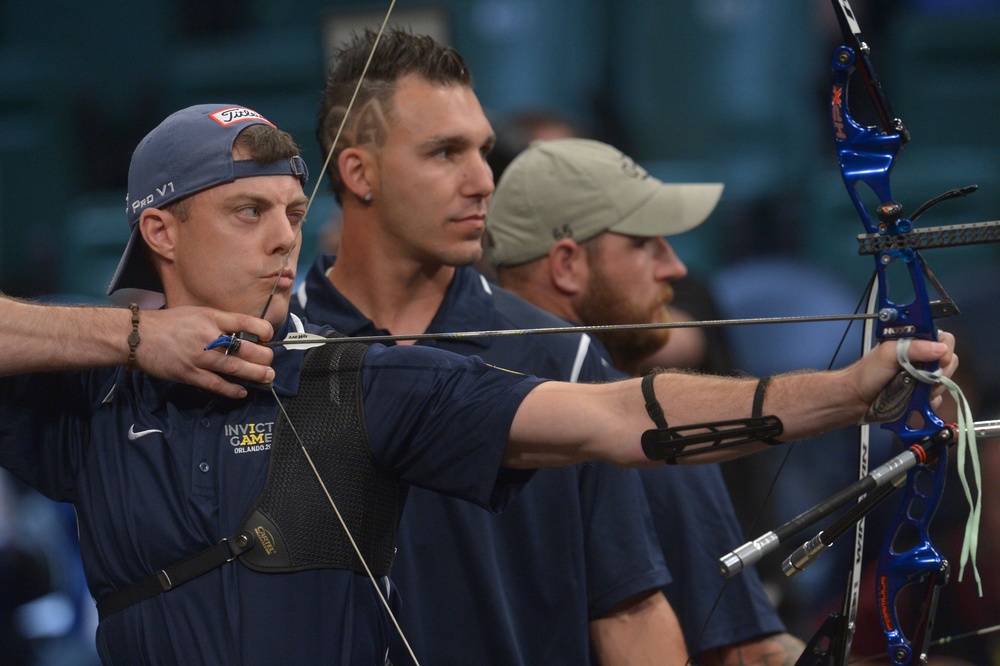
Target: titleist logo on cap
237	114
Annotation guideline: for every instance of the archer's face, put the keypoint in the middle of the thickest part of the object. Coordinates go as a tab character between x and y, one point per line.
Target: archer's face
231	250
432	182
629	282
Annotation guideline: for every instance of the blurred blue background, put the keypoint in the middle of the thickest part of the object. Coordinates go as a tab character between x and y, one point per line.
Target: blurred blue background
720	90
730	90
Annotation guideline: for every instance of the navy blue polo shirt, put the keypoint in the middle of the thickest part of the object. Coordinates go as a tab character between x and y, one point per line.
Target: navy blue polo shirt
520	587
159	471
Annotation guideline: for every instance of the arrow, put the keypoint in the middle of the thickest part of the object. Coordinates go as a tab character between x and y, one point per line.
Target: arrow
307	340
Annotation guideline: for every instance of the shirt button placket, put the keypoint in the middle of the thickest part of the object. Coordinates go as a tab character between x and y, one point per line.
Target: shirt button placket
203	481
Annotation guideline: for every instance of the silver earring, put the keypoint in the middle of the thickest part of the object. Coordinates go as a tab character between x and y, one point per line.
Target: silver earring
368	196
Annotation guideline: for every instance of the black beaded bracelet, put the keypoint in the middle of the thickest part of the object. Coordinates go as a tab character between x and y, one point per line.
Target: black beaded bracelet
133	337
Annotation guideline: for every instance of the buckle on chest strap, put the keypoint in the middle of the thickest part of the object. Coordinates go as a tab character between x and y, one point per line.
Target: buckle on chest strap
221	553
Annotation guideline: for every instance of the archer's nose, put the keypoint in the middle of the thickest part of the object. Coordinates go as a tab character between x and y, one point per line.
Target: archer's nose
669	267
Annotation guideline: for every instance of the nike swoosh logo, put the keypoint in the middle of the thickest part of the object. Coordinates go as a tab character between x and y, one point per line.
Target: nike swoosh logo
133	435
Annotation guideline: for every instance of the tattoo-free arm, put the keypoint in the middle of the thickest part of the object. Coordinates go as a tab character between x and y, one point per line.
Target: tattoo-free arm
560	423
40	338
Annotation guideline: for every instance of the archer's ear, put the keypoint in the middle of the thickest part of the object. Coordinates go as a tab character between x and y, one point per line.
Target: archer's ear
354	164
568	267
159	229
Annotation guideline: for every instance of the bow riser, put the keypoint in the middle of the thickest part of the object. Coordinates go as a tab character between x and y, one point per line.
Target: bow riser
867	155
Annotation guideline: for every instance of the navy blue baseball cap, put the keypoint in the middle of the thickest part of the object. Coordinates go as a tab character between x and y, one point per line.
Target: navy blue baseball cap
190	151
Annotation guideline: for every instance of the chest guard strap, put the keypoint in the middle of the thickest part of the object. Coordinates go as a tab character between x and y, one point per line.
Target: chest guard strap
292	526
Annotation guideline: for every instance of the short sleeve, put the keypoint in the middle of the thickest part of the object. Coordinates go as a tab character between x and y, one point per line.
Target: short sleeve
624	557
441	421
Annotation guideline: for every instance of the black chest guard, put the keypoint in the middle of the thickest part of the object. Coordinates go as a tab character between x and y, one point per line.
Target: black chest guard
293	522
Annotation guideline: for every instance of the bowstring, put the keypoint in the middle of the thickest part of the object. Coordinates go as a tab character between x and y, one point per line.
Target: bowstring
329	154
267	305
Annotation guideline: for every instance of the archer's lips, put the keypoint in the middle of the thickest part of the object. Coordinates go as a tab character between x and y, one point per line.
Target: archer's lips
476	221
285	281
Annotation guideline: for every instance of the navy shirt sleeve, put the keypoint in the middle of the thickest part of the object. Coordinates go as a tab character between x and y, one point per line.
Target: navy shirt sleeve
43	428
624	558
441	421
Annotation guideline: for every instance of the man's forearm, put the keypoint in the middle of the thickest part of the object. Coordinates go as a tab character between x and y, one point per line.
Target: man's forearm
559	423
807	404
42	337
776	650
609	419
170	343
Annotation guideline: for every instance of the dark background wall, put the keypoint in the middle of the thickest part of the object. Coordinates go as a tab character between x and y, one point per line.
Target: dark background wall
693	89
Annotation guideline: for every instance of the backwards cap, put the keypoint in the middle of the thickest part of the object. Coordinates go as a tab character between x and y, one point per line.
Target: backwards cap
190	151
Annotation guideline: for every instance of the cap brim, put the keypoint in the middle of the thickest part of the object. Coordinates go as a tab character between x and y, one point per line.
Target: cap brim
673	209
134	270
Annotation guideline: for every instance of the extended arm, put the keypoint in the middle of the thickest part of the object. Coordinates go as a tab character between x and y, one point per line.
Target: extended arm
42	338
559	423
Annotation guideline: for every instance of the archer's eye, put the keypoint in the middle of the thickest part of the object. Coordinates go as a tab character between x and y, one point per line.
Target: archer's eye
640	242
249	211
